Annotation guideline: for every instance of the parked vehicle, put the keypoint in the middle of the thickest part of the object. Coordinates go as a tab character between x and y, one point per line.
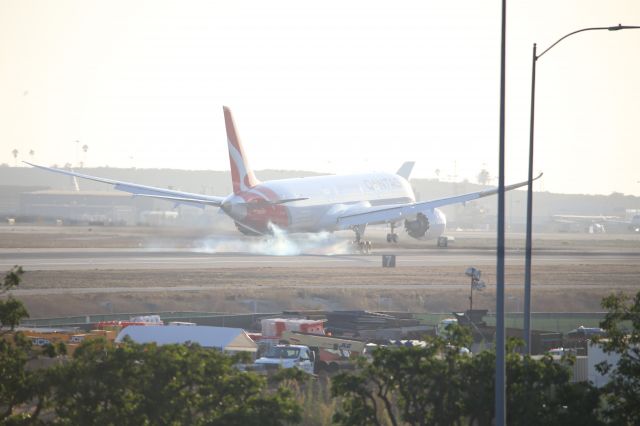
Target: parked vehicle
287	356
585	332
331	353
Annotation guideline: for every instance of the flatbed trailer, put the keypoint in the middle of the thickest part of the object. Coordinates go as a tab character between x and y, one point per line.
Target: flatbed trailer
332	354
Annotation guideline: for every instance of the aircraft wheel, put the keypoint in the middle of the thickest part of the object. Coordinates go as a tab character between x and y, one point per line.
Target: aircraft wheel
389	238
394	238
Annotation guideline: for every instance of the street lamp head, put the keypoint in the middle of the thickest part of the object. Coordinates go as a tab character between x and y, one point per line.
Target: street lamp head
623	27
473	273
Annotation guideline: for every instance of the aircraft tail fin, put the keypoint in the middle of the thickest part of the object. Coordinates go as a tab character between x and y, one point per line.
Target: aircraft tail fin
405	169
242	175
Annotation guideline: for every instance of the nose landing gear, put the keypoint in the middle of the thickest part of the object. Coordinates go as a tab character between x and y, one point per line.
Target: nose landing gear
392	237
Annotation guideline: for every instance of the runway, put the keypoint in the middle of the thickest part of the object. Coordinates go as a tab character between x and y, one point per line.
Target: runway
142	259
75	271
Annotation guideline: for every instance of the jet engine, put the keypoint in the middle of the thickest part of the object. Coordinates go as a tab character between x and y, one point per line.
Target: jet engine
245	230
417	228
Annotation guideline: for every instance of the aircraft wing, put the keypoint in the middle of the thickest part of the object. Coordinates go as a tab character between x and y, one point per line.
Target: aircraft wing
178	197
381	214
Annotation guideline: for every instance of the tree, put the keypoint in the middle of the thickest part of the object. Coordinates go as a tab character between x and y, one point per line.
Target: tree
622	327
12	311
15	156
13	353
85	148
538	391
484	177
405	385
23	391
437	385
133	384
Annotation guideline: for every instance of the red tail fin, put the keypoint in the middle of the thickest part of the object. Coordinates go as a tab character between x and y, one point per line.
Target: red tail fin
241	174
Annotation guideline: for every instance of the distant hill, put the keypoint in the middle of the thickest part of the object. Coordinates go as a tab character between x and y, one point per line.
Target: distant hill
201	181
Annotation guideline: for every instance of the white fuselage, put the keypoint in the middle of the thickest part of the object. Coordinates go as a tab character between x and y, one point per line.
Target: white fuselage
327	197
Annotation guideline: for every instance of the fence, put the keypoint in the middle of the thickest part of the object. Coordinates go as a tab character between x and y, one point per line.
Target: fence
549	321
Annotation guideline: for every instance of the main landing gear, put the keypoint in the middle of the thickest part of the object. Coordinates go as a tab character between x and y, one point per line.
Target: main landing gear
392	237
363	246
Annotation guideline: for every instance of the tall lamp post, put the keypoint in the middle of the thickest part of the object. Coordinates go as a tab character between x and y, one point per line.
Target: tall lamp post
500	387
527	269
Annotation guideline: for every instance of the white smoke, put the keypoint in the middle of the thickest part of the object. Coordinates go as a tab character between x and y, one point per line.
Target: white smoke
278	243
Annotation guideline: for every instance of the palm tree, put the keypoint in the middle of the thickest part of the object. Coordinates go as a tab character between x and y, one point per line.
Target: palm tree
85	148
32	153
484	177
15	156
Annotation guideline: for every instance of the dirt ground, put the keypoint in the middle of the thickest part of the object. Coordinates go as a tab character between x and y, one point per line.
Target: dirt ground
556	288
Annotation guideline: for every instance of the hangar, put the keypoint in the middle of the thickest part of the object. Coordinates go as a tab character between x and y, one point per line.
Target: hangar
222	338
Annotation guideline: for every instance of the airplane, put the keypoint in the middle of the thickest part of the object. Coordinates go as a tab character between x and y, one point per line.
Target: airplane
312	204
597	224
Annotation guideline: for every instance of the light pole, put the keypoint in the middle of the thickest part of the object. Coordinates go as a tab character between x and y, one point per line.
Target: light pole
527	264
476	284
500	387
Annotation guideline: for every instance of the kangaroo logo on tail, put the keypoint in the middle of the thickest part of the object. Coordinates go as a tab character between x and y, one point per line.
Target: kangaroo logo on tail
242	176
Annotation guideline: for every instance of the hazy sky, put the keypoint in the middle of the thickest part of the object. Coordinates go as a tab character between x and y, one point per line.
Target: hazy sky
331	86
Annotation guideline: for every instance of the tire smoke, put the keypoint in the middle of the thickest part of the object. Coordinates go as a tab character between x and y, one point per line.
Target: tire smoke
278	243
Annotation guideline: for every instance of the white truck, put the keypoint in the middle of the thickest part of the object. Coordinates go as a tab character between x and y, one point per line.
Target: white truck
312	353
287	356
332	354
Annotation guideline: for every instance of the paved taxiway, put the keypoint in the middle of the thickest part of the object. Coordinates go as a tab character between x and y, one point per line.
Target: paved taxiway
135	259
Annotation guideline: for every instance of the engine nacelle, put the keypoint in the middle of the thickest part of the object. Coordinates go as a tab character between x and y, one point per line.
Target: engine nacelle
417	228
245	230
427	225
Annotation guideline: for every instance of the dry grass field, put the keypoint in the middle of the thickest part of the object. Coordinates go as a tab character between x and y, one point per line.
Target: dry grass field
557	287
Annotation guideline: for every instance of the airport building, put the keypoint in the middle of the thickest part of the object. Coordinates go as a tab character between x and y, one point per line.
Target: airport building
220	338
94	207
